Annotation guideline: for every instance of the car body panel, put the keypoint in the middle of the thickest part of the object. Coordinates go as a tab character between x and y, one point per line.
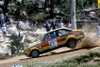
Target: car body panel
56	40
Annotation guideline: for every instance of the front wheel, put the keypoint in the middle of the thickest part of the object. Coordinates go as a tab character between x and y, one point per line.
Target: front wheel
35	53
72	43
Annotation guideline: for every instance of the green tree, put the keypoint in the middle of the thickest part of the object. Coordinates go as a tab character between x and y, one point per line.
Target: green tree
38	17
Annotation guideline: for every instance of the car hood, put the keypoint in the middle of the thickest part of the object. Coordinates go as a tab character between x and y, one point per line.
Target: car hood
34	43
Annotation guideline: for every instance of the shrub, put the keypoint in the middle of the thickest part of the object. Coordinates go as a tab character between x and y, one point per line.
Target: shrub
16	44
38	16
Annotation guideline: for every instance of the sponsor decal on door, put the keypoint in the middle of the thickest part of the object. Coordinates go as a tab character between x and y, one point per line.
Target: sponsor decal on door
53	43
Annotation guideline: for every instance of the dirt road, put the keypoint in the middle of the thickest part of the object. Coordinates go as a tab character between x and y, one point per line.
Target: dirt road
54	54
58	53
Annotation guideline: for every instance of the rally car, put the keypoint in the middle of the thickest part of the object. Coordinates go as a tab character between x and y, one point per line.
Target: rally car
53	39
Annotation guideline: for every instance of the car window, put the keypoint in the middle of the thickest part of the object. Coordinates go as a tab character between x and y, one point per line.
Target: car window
63	32
53	34
50	36
47	37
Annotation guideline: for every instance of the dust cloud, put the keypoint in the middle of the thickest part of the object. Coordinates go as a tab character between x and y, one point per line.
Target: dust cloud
91	39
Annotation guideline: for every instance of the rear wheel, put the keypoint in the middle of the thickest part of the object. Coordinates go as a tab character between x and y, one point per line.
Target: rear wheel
35	53
72	43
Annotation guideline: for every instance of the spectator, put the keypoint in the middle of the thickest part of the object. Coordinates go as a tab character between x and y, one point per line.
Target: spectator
47	26
61	24
4	31
6	17
98	30
18	26
69	25
53	25
2	19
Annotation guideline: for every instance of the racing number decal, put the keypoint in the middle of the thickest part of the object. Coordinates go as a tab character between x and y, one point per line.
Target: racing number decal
53	43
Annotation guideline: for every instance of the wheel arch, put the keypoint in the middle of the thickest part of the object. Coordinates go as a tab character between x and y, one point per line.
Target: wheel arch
33	50
70	37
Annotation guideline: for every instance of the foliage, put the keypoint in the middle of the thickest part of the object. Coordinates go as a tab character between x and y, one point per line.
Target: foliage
38	16
87	3
16	44
27	6
11	8
65	6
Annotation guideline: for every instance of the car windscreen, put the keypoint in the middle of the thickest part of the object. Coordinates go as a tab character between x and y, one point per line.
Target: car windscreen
50	36
63	32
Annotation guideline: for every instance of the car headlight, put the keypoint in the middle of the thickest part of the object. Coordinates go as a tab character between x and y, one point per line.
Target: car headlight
27	51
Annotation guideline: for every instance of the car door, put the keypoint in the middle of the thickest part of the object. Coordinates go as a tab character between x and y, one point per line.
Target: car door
45	44
53	41
50	41
63	33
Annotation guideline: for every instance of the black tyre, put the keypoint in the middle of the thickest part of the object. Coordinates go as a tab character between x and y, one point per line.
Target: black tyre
35	53
72	43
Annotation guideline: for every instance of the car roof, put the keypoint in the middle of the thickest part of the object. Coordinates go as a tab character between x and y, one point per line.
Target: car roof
58	29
